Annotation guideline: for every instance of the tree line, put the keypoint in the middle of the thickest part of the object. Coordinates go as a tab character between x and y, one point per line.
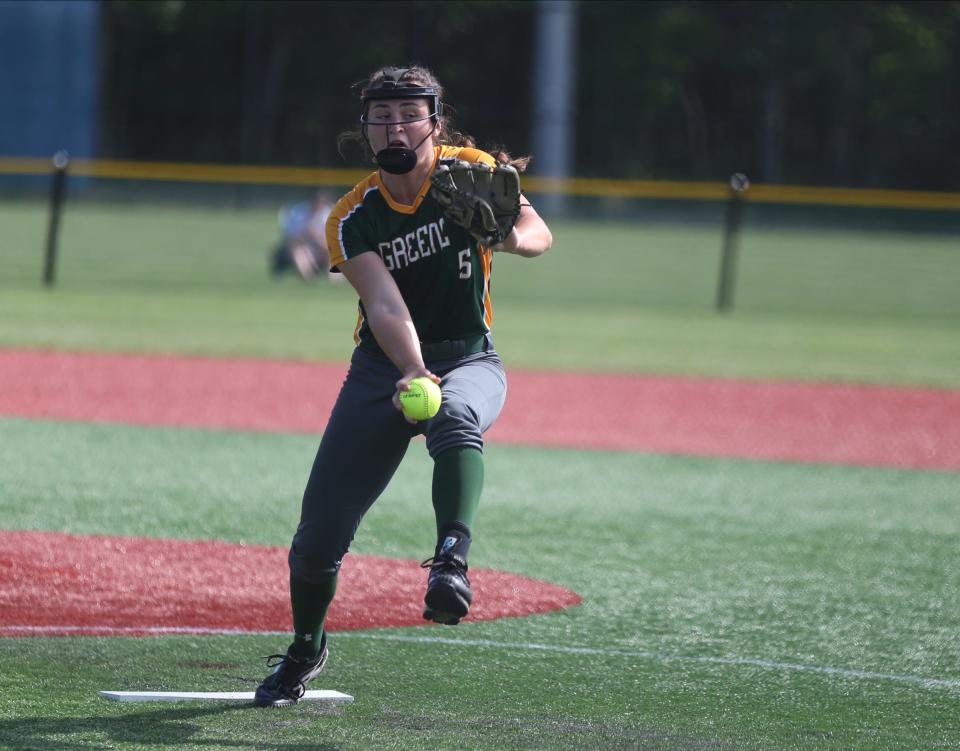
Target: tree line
822	93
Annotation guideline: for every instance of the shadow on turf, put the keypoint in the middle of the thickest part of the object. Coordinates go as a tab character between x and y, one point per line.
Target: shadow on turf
164	727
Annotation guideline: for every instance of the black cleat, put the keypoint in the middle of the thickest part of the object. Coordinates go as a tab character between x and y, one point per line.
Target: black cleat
448	595
286	684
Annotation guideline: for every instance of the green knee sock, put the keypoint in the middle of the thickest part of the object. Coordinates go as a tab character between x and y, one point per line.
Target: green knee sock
457	484
310	602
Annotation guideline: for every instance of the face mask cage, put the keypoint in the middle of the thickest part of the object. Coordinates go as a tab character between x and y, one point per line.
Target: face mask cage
395	160
435	107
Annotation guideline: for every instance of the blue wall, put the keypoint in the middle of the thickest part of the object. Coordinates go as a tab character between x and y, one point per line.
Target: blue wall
48	77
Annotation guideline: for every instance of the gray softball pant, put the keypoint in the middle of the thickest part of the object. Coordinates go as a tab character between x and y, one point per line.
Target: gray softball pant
366	438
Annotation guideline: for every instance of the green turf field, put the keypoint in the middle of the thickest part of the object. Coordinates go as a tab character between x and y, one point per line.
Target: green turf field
727	604
839	305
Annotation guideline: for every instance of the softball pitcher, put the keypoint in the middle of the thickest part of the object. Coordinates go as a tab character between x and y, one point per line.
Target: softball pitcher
418	250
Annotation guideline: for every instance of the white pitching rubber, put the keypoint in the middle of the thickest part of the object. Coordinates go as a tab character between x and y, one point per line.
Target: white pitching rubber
321	695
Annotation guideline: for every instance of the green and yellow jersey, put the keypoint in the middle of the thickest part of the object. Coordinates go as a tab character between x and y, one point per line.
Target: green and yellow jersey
441	270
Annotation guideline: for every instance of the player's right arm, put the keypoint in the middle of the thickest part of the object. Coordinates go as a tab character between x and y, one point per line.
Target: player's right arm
351	238
388	317
385	309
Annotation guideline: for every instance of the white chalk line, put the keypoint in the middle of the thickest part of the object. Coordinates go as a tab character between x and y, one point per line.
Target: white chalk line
491	644
660	657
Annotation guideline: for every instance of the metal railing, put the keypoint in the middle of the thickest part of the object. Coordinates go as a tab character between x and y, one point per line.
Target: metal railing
574	186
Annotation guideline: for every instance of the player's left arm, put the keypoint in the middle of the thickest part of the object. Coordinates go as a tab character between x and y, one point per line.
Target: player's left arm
530	236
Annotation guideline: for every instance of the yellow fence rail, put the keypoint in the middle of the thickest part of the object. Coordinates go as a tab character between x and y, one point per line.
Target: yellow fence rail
577	186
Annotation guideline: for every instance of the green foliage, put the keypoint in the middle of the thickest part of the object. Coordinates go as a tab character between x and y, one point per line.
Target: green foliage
274	82
856	93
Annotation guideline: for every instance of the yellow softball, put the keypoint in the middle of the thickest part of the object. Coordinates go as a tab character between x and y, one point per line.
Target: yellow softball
422	400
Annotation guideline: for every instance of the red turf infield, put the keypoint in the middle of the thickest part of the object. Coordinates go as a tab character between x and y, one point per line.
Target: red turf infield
55	584
104	585
815	422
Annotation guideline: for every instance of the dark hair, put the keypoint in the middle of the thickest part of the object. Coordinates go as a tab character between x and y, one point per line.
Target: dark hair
418	75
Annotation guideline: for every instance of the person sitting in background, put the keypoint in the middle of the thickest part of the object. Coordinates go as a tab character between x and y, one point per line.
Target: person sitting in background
302	246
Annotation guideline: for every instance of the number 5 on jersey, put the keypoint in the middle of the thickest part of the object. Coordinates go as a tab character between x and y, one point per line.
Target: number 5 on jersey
466	268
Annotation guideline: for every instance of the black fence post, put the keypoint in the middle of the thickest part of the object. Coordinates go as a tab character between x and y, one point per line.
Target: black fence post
739	185
58	191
